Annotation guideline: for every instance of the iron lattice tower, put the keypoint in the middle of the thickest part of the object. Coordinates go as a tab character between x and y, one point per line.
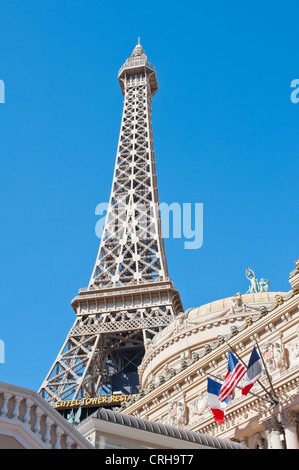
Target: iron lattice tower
130	296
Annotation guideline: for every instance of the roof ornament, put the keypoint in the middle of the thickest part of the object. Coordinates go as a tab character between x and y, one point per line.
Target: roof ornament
255	287
138	50
74	418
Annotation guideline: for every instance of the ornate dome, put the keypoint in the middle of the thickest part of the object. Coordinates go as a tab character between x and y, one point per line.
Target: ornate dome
236	304
194	329
230	309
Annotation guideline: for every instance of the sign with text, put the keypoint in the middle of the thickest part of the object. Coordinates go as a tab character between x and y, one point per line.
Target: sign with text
101	400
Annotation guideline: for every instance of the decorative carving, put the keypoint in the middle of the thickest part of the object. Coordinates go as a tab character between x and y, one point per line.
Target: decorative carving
275	356
161	379
148	345
181	322
294	349
221	339
197	407
195	356
183	364
263	310
237	305
279	299
185	355
165	370
234	330
177	412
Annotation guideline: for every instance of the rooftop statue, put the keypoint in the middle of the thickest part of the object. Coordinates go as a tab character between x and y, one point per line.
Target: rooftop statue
262	286
74	418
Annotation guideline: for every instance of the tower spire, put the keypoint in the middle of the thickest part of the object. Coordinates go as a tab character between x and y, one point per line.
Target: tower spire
130	296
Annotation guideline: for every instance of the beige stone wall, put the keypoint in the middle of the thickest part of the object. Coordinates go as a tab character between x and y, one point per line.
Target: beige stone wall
9	442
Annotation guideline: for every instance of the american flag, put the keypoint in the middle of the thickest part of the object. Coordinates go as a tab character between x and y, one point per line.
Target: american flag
235	372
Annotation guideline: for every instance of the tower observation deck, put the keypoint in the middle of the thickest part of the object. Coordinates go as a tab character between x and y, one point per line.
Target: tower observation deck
130	296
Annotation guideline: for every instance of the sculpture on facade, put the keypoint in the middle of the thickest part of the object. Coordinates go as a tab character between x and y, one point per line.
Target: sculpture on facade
237	305
275	356
177	413
255	286
181	322
74	418
264	285
294	350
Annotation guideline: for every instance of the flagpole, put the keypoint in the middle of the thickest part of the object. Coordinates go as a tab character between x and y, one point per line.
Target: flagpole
240	388
268	375
273	398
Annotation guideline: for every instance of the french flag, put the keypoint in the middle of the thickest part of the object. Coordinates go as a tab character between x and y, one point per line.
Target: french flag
218	407
253	372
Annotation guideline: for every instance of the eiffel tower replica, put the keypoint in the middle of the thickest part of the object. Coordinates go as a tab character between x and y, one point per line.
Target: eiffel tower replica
130	296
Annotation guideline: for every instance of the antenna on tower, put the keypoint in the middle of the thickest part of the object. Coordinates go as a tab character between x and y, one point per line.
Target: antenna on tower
138	39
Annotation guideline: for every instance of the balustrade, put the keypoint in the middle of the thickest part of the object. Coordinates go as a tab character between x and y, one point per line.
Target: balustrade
43	425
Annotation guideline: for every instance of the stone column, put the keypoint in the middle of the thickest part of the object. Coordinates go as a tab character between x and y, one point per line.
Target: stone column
289	422
273	431
15	412
4	409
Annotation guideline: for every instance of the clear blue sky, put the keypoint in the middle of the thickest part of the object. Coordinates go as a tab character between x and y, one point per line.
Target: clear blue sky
225	132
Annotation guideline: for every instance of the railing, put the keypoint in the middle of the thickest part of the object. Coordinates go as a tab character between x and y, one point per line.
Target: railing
119	326
122	292
136	63
41	426
133	282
